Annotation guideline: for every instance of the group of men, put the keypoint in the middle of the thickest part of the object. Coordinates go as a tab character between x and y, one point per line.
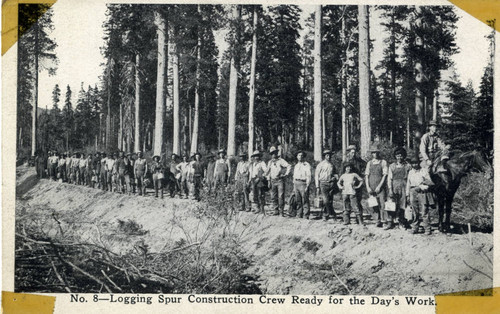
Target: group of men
402	182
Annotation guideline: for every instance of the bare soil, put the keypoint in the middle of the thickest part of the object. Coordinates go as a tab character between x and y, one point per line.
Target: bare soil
288	256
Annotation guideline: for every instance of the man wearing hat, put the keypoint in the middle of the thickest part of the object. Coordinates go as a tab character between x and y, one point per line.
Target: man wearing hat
277	170
302	175
96	164
104	172
257	182
209	173
75	161
182	167
89	170
61	168
375	176
358	166
242	177
396	185
195	177
222	170
82	169
431	146
110	166
417	190
325	178
53	162
140	171
175	187
157	171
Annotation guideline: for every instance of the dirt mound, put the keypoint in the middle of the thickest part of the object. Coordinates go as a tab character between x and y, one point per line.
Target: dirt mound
288	256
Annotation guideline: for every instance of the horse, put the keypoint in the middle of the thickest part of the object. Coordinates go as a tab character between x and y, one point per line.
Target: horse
447	183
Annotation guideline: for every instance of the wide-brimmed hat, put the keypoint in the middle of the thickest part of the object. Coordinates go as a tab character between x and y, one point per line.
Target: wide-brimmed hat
414	160
374	149
433	122
351	147
173	154
400	150
103	154
273	150
156	157
198	153
243	154
304	154
256	153
97	154
327	152
221	151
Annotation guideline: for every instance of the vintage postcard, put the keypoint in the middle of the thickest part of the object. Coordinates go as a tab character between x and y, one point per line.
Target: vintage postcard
254	157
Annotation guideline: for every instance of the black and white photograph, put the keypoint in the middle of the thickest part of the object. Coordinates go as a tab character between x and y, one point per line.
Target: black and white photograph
253	149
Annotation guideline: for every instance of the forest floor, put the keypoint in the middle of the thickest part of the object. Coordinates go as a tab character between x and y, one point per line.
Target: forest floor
286	256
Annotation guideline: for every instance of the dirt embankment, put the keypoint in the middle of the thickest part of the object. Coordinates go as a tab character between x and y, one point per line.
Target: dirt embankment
288	256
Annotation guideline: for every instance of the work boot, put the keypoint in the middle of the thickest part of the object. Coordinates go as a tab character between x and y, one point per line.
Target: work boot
347	219
360	219
379	224
388	226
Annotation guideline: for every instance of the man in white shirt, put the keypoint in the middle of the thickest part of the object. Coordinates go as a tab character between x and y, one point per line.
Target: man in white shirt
301	182
277	170
222	170
241	178
183	168
325	178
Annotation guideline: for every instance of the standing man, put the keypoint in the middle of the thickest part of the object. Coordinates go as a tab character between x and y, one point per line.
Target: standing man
157	170
82	168
258	182
209	173
130	171
325	179
417	190
97	170
183	169
358	166
196	176
140	170
222	170
175	184
375	176
75	168
241	177
396	184
61	168
89	170
301	181
104	172
277	170
53	162
110	168
431	146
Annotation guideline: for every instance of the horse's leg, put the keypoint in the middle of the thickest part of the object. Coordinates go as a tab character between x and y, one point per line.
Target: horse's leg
448	207
440	204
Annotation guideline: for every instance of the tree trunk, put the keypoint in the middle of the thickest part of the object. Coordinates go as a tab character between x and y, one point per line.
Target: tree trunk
120	128
35	104
175	92
194	138
233	83
435	106
108	105
318	107
364	79
137	137
160	82
344	88
419	93
251	103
